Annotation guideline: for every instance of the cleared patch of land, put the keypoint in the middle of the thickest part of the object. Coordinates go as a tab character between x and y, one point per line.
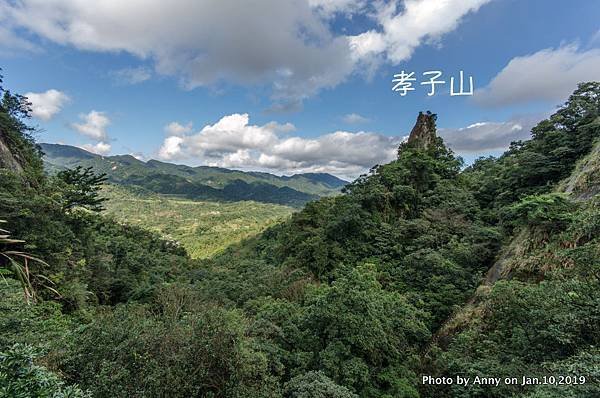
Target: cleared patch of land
203	228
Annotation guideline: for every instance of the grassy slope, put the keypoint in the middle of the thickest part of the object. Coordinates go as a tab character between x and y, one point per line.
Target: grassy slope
203	228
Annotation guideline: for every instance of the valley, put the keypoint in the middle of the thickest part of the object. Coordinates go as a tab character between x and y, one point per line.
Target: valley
299	199
204	228
421	271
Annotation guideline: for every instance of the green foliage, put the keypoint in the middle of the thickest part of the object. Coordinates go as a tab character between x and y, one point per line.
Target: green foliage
90	258
180	349
16	264
20	377
414	218
354	332
527	327
355	295
82	187
534	166
524	325
562	237
548	212
362	336
345	229
585	363
16	134
315	385
429	232
41	324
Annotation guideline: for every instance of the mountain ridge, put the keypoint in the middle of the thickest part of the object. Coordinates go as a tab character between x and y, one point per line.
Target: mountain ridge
196	182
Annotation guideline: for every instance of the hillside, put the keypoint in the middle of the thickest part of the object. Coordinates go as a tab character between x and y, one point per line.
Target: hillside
204	228
363	294
536	315
420	236
199	183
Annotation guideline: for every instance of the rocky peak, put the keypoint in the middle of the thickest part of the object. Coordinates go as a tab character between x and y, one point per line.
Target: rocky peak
423	134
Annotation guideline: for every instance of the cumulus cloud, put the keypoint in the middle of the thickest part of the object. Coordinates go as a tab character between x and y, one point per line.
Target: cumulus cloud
93	126
354	118
100	148
331	7
47	104
177	129
402	29
171	148
132	75
195	40
235	143
547	75
483	137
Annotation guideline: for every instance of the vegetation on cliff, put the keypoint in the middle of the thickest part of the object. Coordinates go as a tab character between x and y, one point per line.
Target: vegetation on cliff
356	295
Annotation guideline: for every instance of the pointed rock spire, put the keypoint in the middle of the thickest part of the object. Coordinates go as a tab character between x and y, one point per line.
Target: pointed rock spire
423	134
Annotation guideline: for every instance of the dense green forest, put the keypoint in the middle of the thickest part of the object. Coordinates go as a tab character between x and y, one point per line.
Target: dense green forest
421	268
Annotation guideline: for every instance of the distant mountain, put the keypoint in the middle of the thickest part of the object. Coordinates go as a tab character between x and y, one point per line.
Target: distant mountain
320	178
202	182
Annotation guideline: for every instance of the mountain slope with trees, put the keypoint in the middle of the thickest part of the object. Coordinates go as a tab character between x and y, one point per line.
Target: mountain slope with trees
356	295
199	183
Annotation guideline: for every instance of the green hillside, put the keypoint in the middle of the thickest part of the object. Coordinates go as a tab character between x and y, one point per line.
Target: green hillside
201	183
400	256
421	269
203	228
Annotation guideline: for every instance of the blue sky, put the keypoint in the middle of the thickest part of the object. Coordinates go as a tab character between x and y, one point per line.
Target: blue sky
291	86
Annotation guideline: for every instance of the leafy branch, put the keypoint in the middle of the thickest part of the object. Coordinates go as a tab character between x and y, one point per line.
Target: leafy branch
18	266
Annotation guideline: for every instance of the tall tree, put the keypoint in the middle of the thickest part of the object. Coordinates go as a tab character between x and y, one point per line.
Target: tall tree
82	188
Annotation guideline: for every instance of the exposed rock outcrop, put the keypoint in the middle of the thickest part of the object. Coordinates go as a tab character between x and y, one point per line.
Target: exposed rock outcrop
423	133
7	158
584	182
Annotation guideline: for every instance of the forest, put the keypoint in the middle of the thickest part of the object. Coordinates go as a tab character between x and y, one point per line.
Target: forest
424	267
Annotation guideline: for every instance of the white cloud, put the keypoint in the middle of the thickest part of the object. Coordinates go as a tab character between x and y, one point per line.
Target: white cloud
100	148
138	155
11	43
291	45
171	148
195	40
177	129
547	75
485	137
93	126
132	75
331	7
354	118
233	142
47	104
402	29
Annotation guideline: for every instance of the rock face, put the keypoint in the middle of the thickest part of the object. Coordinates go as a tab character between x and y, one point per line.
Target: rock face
584	182
423	134
7	159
